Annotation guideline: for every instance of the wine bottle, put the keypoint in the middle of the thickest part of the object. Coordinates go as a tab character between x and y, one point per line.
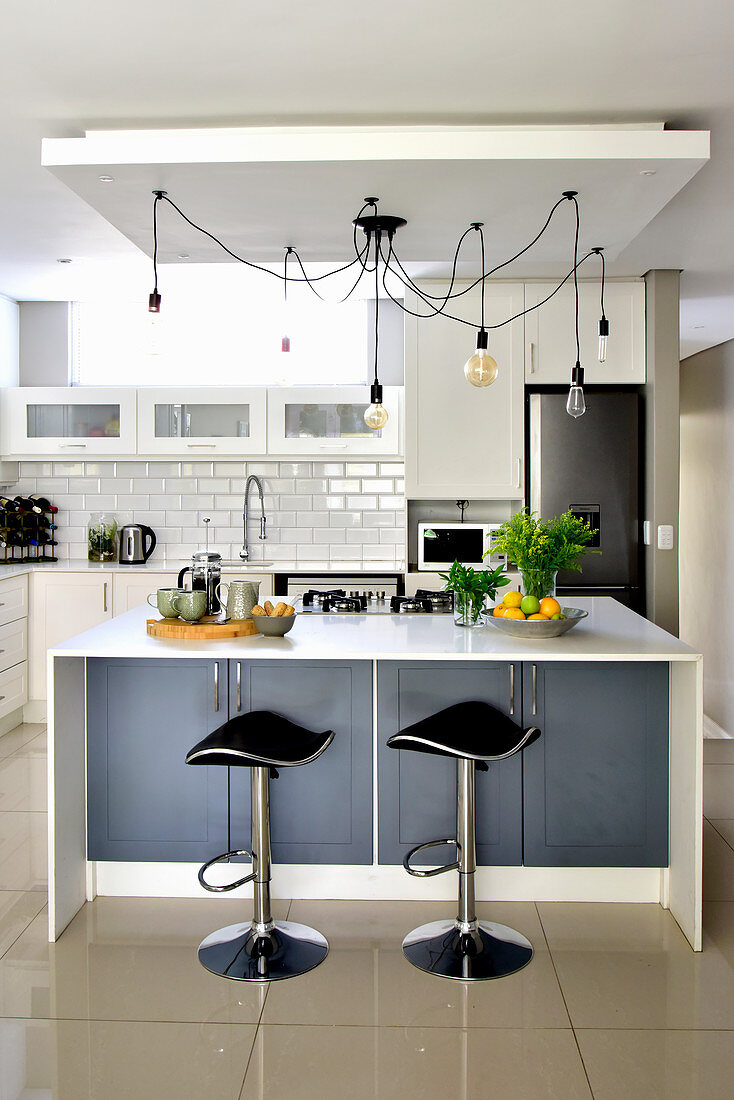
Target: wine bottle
43	503
9	505
25	504
29	520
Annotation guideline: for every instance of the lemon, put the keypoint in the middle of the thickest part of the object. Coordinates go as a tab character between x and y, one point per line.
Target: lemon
512	599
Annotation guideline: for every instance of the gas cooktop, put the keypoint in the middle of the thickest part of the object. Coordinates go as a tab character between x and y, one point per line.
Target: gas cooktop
339	601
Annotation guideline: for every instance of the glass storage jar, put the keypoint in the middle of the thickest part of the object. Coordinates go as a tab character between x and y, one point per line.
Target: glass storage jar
102	537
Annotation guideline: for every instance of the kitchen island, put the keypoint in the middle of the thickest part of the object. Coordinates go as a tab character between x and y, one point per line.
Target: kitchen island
606	806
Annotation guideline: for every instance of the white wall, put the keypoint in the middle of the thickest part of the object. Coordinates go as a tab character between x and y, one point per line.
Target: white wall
707	522
8	341
44	343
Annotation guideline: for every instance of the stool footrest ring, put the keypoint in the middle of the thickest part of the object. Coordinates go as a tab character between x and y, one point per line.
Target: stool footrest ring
431	871
230	885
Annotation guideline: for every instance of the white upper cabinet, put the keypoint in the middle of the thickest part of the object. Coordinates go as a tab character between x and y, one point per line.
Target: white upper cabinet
88	422
200	420
324	420
462	441
551	344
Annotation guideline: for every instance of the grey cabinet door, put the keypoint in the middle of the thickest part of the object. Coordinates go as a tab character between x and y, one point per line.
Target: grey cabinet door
596	782
319	812
417	792
144	801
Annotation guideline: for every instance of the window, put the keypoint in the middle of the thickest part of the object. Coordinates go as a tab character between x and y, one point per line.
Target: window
222	325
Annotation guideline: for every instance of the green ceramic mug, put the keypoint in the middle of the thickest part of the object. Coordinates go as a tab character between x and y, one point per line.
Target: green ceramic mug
163	601
190	605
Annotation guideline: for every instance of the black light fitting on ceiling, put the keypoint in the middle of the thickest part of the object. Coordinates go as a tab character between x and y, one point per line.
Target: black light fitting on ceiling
480	369
603	322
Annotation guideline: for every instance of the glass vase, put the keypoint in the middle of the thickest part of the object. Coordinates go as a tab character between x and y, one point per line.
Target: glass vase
102	537
467	612
539	582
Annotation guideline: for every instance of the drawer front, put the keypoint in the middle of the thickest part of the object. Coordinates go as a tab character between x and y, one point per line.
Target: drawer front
13	644
13	688
13	599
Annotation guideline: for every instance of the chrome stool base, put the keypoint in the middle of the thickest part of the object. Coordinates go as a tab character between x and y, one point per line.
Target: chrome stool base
492	951
285	951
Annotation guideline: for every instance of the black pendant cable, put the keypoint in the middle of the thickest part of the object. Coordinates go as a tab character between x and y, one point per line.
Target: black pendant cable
285	341
375	415
603	322
154	299
576	405
481	369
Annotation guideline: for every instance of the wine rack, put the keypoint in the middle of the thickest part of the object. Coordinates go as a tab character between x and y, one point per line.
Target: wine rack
27	530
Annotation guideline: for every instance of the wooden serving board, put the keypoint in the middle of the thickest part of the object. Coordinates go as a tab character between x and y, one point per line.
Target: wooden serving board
205	629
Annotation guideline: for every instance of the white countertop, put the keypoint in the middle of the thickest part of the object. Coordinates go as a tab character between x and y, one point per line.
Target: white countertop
610	633
81	565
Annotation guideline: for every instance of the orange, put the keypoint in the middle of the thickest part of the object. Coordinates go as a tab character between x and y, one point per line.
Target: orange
549	606
514	613
512	599
542	618
499	611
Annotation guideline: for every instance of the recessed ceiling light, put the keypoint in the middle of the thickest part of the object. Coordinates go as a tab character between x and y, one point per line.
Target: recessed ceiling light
183	255
106	179
64	260
698	326
648	172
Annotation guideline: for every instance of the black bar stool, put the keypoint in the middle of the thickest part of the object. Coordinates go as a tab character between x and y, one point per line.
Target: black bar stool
263	949
466	947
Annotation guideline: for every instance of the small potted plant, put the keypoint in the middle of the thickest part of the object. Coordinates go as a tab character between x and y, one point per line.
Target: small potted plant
472	588
539	548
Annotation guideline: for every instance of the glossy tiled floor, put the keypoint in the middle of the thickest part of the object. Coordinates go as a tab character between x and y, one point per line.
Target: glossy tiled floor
614	1004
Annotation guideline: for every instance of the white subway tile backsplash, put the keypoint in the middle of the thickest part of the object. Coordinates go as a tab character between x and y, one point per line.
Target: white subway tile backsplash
320	512
344	485
361	469
362	501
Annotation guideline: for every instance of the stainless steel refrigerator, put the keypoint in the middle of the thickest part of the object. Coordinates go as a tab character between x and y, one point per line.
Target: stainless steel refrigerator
591	466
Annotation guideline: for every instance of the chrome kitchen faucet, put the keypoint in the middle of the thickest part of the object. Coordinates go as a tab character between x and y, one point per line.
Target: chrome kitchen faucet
245	551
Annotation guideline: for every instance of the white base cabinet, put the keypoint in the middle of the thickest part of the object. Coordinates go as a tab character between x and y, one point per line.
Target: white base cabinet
550	353
62	605
13	648
462	441
130	590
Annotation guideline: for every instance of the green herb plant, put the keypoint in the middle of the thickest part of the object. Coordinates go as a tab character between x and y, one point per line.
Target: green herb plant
539	547
473	587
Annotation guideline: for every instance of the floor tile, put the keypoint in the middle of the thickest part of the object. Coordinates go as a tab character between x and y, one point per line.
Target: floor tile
128	959
17	910
629	966
718	866
74	1060
366	980
23	850
370	1063
725	827
718	790
20	736
23	781
659	1065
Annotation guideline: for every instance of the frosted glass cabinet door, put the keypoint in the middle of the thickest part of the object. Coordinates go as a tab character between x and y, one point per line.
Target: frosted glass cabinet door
202	420
68	421
323	420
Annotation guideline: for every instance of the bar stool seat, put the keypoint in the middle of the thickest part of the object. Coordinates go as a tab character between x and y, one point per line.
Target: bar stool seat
261	949
476	734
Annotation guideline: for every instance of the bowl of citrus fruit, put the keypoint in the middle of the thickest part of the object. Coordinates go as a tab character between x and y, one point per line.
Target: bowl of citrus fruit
528	617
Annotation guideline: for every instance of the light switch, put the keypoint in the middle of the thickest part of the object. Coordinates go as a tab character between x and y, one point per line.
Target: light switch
665	536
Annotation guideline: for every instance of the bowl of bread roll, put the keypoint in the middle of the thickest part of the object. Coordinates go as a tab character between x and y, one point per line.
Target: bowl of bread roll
274	620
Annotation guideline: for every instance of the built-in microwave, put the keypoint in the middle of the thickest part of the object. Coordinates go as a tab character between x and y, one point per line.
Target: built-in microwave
441	544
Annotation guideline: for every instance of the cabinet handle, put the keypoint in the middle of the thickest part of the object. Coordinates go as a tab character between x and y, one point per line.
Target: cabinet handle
104	597
201	445
216	686
333	446
61	445
531	357
239	687
535	689
512	690
519	473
